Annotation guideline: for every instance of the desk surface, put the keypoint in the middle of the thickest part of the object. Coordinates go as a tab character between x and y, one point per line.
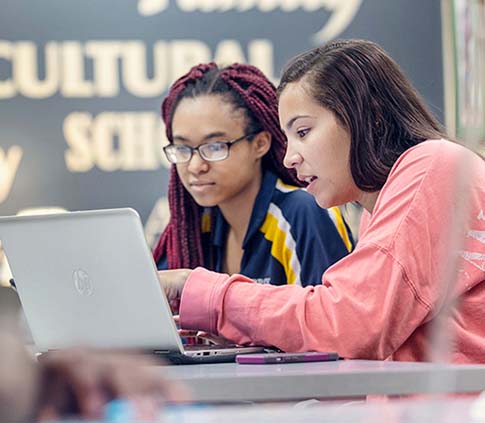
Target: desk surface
422	411
231	382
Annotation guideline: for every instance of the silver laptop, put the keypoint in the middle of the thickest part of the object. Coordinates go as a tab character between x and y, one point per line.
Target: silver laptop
88	278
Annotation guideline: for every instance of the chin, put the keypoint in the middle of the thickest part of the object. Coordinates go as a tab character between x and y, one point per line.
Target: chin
204	202
325	202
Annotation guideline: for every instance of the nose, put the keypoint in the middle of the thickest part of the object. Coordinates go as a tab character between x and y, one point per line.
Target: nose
197	164
292	158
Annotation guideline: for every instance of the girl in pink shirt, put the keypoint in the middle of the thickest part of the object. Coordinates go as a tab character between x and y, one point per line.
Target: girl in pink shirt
358	131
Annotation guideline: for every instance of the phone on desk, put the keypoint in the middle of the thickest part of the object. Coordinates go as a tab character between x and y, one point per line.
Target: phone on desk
279	358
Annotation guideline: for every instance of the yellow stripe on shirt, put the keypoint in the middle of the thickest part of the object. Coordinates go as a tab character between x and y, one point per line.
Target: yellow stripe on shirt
276	230
338	220
281	186
205	222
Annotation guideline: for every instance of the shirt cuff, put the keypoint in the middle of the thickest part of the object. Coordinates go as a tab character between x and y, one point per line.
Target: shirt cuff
197	305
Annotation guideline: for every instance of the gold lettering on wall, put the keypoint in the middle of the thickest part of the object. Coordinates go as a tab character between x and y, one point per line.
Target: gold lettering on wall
9	164
113	141
116	65
342	11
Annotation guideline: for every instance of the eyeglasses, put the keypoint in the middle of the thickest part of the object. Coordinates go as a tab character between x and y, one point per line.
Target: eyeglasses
210	151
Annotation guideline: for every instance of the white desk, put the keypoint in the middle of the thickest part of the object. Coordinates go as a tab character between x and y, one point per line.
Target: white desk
231	382
417	411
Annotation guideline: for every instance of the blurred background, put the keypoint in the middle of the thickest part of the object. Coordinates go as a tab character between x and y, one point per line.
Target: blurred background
81	83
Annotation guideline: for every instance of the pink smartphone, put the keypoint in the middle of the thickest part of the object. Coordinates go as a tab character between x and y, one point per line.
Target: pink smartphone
275	358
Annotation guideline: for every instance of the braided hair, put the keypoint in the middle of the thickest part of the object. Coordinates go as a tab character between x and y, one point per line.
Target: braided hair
246	88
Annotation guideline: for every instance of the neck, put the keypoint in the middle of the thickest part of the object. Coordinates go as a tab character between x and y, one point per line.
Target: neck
368	200
237	211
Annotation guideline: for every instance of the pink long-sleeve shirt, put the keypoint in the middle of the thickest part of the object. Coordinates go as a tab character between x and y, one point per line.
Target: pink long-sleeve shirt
421	251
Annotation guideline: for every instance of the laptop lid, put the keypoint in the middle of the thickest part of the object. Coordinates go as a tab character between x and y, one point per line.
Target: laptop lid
88	278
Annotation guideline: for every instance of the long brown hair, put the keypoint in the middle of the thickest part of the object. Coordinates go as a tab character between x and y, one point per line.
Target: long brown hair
371	98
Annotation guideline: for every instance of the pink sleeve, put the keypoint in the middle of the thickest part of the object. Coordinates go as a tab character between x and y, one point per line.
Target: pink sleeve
355	320
200	298
371	302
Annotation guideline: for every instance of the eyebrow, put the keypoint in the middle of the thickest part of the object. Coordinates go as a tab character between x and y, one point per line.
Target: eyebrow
211	135
293	119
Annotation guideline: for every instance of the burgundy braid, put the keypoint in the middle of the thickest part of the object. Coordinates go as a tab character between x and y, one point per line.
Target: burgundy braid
181	241
196	73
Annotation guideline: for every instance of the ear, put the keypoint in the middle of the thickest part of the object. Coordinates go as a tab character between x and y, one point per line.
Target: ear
262	143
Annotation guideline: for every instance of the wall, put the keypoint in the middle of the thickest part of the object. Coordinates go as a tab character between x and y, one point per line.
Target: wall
81	82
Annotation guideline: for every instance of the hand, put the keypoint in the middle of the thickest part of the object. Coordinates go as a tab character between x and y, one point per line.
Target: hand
204	337
80	382
213	339
172	282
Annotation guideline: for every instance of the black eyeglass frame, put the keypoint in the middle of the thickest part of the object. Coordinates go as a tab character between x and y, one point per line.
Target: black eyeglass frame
229	144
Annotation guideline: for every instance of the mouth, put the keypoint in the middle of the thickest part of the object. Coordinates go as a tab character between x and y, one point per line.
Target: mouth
307	179
201	186
200	183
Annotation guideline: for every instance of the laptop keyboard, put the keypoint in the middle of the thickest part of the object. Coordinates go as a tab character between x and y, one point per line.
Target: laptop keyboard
208	347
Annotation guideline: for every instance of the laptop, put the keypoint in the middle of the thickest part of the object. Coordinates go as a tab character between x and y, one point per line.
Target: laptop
88	278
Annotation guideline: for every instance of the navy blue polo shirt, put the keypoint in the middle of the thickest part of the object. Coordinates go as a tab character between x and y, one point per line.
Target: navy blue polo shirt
290	239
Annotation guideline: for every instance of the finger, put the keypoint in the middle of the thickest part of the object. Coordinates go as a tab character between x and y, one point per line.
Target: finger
143	379
86	380
218	340
185	332
175	305
75	383
211	338
48	413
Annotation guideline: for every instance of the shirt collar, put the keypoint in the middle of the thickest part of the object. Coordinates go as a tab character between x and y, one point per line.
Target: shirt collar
261	205
260	208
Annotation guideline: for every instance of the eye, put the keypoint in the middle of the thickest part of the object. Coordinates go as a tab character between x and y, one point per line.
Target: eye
302	132
180	147
214	147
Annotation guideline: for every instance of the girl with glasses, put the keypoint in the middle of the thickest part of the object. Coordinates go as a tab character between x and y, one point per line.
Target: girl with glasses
234	207
357	130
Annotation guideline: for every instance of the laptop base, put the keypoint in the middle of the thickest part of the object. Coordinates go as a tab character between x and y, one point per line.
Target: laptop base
208	354
177	358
